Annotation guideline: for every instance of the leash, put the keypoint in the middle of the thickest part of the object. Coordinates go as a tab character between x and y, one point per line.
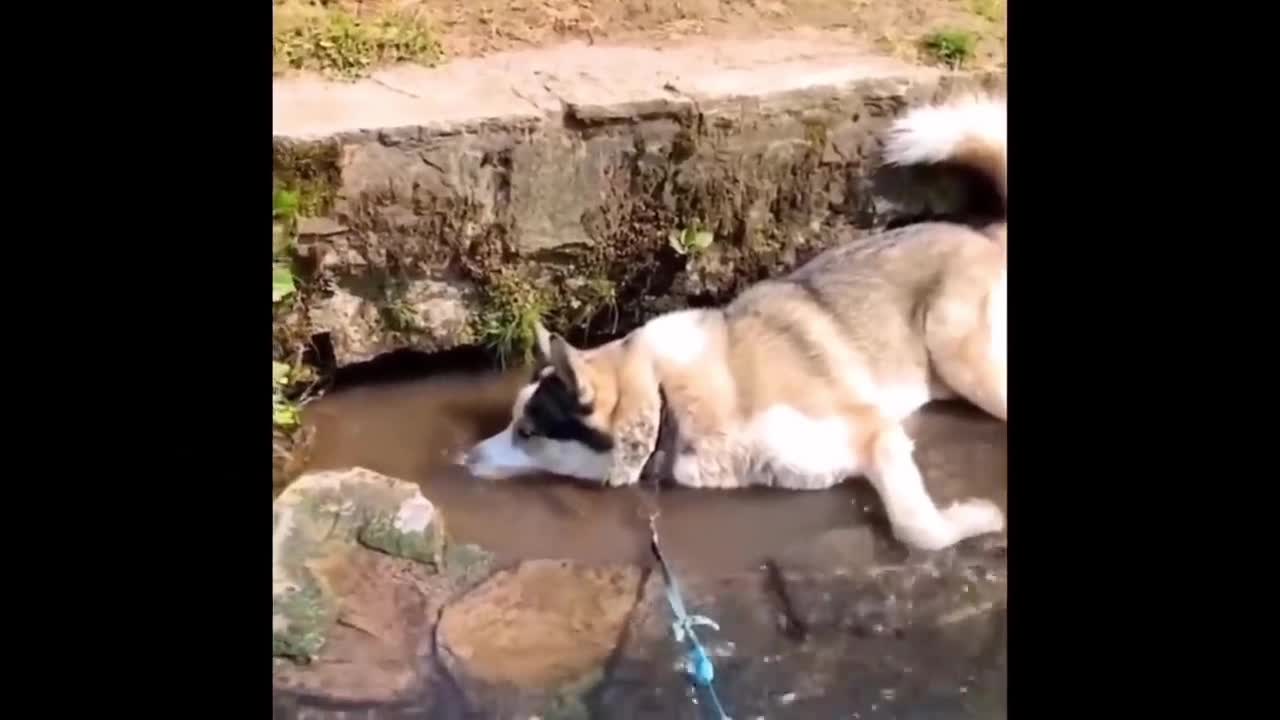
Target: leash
698	662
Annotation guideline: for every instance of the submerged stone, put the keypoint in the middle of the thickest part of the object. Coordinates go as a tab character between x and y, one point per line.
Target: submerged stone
535	638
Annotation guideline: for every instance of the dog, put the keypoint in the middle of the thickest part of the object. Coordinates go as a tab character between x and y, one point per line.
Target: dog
802	381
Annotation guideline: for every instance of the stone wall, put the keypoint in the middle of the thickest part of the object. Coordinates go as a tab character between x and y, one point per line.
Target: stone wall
582	214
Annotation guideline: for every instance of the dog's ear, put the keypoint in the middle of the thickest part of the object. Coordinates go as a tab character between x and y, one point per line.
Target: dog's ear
571	368
542	346
566	360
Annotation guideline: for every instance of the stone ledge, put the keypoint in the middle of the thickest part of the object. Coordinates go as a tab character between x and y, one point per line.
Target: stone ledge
593	82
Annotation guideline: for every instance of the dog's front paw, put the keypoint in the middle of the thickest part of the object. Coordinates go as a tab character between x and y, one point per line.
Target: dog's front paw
971	518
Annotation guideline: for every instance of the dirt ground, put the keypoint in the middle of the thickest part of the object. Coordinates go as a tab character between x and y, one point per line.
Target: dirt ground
895	27
470	27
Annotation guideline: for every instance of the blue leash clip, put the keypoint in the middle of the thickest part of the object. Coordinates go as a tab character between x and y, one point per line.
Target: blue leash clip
698	663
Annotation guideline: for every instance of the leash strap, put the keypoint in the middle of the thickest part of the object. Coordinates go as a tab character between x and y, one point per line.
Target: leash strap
698	661
658	467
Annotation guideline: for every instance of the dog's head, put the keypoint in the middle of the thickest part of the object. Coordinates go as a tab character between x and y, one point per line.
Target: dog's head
560	422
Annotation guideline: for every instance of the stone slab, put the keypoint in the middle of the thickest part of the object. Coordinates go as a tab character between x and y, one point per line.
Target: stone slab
536	84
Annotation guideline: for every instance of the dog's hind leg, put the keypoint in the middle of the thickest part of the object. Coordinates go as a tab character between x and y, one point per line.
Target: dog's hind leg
913	516
966	331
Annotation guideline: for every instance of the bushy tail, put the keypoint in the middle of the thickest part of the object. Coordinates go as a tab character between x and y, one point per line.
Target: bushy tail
968	131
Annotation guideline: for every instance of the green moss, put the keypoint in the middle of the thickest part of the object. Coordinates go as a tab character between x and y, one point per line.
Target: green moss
467	563
380	533
308	617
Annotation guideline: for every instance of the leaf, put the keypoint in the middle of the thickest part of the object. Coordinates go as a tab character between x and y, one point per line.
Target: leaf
284	416
279	372
281	282
674	239
702	240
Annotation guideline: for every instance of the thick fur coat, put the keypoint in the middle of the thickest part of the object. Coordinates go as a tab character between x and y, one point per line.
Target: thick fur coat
804	380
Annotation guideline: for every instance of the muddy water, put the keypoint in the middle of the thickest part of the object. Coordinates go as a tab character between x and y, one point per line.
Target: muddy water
410	430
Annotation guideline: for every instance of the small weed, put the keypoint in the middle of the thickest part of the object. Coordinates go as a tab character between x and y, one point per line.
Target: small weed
284	220
310	171
284	414
598	294
692	240
281	281
397	314
950	47
337	42
284	205
513	311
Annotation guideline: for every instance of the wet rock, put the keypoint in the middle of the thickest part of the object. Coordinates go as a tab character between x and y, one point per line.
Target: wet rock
319	226
825	633
534	638
424	314
375	635
351	322
379	653
316	522
362	572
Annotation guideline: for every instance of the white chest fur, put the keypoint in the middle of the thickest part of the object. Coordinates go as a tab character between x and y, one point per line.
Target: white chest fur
781	447
800	451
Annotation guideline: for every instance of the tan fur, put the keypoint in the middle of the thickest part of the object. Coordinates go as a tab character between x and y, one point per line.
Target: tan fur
805	380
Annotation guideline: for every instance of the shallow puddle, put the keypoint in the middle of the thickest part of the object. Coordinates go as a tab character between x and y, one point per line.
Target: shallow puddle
411	429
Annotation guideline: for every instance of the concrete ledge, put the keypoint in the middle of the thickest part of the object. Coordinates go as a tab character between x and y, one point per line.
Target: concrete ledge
536	84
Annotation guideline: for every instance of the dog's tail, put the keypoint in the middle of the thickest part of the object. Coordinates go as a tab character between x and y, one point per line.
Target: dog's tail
967	131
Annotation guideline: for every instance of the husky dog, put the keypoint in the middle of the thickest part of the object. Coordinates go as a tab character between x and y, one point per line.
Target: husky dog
802	381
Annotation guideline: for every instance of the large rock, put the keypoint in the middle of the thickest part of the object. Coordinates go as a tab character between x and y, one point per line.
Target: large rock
826	630
317	521
554	185
532	639
361	573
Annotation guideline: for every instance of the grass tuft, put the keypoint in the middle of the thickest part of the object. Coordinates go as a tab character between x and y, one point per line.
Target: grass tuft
952	48
347	44
508	323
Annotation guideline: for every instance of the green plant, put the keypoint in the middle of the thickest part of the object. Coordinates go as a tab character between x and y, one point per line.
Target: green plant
281	281
284	220
512	312
310	170
396	312
692	240
284	414
951	47
341	44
